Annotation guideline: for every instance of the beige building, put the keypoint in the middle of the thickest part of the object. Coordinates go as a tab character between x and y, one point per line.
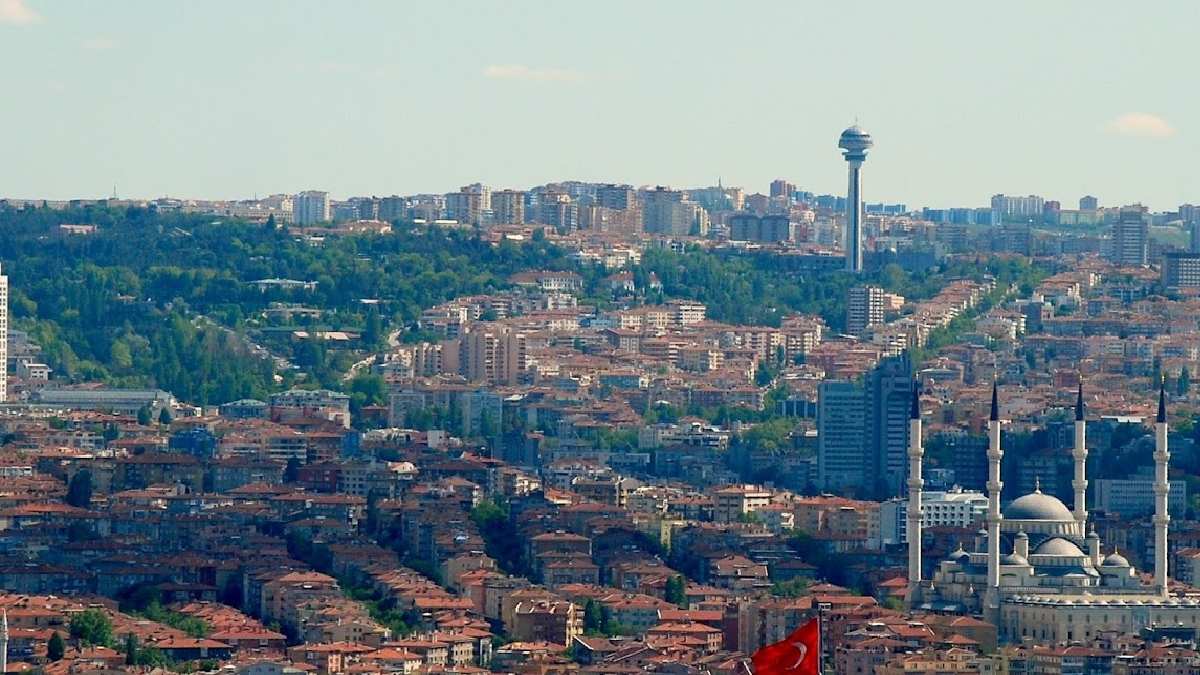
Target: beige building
734	502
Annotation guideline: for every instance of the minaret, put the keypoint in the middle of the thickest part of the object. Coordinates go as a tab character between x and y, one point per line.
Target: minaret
4	642
1161	487
1080	455
915	484
994	454
854	142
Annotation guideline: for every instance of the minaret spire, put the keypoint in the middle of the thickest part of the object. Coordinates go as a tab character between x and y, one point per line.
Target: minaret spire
994	486
3	641
916	483
1162	487
1079	453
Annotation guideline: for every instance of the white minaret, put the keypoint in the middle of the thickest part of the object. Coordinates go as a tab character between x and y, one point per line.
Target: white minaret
994	454
915	484
1161	488
854	143
1080	455
4	642
3	341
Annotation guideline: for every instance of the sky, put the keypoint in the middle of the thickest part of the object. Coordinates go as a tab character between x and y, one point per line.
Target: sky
232	98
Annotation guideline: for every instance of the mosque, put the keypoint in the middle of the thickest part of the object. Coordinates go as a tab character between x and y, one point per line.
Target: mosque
1037	572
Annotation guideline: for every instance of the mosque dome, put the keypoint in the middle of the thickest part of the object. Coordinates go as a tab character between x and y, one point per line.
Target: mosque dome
1115	559
1037	506
1059	547
1013	559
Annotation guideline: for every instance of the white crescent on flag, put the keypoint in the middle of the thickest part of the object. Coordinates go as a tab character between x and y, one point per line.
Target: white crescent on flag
803	649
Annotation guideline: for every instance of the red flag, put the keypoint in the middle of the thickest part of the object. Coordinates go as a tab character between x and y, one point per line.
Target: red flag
797	654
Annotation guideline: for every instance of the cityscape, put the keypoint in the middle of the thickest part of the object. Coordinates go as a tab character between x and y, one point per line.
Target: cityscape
601	426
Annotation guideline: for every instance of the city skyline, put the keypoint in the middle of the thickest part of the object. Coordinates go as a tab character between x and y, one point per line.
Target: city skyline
301	96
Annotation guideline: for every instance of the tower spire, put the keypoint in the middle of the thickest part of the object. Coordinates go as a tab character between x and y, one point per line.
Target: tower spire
916	483
3	641
1079	453
1162	488
994	487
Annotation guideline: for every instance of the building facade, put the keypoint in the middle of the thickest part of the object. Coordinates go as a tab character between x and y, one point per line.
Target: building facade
1130	238
311	207
864	309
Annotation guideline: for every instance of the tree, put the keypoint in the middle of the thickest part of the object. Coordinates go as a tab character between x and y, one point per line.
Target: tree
92	627
164	417
593	617
676	591
1185	381
56	647
291	472
372	333
131	649
79	492
366	389
143	416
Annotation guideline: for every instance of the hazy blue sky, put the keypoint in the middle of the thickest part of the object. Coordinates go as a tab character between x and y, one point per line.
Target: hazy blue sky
964	99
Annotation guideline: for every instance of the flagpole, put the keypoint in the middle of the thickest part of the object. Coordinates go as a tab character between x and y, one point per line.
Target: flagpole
820	643
821	637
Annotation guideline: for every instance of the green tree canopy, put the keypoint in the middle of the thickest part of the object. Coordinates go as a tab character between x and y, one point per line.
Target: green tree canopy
79	491
56	647
92	627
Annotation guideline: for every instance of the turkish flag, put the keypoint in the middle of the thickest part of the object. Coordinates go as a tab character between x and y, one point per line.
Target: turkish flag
797	654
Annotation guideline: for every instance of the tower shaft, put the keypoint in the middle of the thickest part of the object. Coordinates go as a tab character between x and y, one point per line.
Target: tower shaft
994	486
1080	482
854	254
915	516
1162	488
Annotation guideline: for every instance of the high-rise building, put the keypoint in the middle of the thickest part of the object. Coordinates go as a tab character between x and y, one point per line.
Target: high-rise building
863	431
770	228
864	309
889	388
468	204
1130	237
508	207
854	143
311	207
782	188
612	196
393	208
3	337
558	210
1181	270
1017	208
1190	215
367	207
666	211
841	426
1088	203
492	354
1014	238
